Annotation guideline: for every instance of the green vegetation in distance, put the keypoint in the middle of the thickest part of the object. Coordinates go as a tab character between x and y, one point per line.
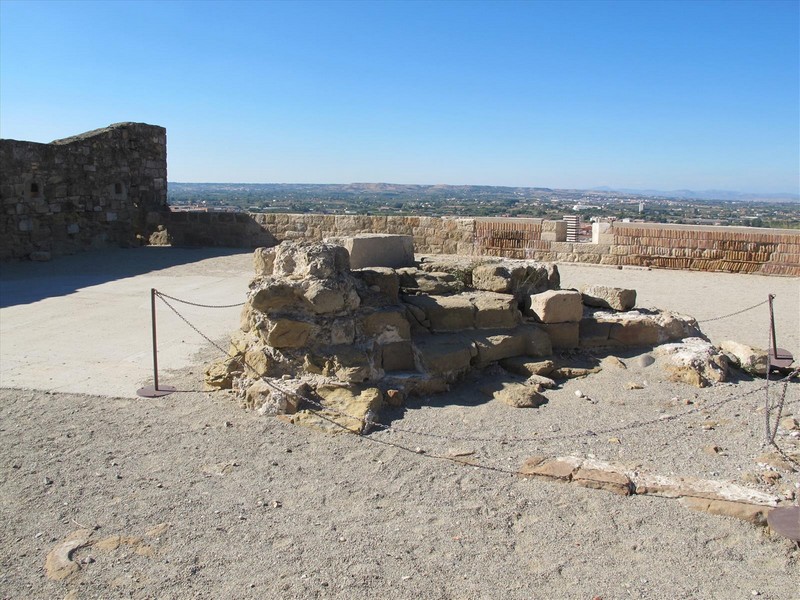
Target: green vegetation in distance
487	201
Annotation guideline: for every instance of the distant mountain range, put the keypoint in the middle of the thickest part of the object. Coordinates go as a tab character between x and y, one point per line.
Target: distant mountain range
705	194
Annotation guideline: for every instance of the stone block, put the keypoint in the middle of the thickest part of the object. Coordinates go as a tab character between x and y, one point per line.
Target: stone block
537	341
387	325
516	395
446	313
310	259
429	282
555	306
495	310
274	295
563	336
398	356
749	359
498	345
263	261
604	479
635	333
347	409
525	367
349	364
594	333
287	333
609	297
331	296
448	355
382	280
379	250
491	278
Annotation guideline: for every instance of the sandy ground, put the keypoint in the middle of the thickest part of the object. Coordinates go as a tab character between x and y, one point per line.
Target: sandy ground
256	508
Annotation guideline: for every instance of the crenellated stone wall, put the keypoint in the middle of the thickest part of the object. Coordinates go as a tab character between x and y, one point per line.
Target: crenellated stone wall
90	191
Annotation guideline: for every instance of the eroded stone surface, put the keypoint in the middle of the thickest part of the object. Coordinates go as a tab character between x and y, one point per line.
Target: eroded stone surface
555	306
609	297
693	361
748	359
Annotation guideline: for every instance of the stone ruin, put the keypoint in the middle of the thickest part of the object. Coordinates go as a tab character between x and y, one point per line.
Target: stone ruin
327	345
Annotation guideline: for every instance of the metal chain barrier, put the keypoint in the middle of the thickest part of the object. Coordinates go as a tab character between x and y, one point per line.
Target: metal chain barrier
163	295
318	407
733	314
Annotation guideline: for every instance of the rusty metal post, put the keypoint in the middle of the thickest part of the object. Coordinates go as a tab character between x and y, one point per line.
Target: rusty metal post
154	391
780	359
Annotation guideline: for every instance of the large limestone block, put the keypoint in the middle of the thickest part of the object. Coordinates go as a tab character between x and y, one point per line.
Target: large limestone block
609	297
496	346
379	250
446	355
310	259
387	325
555	306
638	327
446	313
563	336
287	333
492	278
494	310
748	359
345	409
414	280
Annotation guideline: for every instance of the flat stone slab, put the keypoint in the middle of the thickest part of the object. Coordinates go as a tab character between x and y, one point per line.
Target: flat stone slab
379	250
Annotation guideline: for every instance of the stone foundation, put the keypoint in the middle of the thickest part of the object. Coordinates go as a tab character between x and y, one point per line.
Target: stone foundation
318	335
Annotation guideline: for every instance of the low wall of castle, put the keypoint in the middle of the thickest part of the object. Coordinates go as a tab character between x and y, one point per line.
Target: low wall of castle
723	249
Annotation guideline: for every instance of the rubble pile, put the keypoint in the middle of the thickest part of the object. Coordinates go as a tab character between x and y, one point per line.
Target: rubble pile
316	334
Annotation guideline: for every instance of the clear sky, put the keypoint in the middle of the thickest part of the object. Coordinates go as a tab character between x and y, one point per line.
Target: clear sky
664	95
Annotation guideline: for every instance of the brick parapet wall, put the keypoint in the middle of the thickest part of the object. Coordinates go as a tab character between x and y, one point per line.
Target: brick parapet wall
728	249
89	191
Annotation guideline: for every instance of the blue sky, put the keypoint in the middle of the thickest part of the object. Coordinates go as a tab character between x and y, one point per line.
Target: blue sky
665	95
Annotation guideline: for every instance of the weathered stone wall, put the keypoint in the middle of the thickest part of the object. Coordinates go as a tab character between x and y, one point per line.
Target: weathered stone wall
93	190
726	249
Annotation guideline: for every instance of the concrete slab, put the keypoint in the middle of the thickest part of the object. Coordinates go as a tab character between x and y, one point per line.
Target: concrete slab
81	323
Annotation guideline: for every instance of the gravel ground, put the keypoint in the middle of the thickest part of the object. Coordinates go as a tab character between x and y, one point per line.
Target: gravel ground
257	508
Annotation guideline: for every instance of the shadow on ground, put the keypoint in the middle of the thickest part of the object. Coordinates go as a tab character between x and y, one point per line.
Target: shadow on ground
25	282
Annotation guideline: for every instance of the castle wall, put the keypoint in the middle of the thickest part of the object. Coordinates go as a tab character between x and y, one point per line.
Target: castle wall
725	249
90	191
